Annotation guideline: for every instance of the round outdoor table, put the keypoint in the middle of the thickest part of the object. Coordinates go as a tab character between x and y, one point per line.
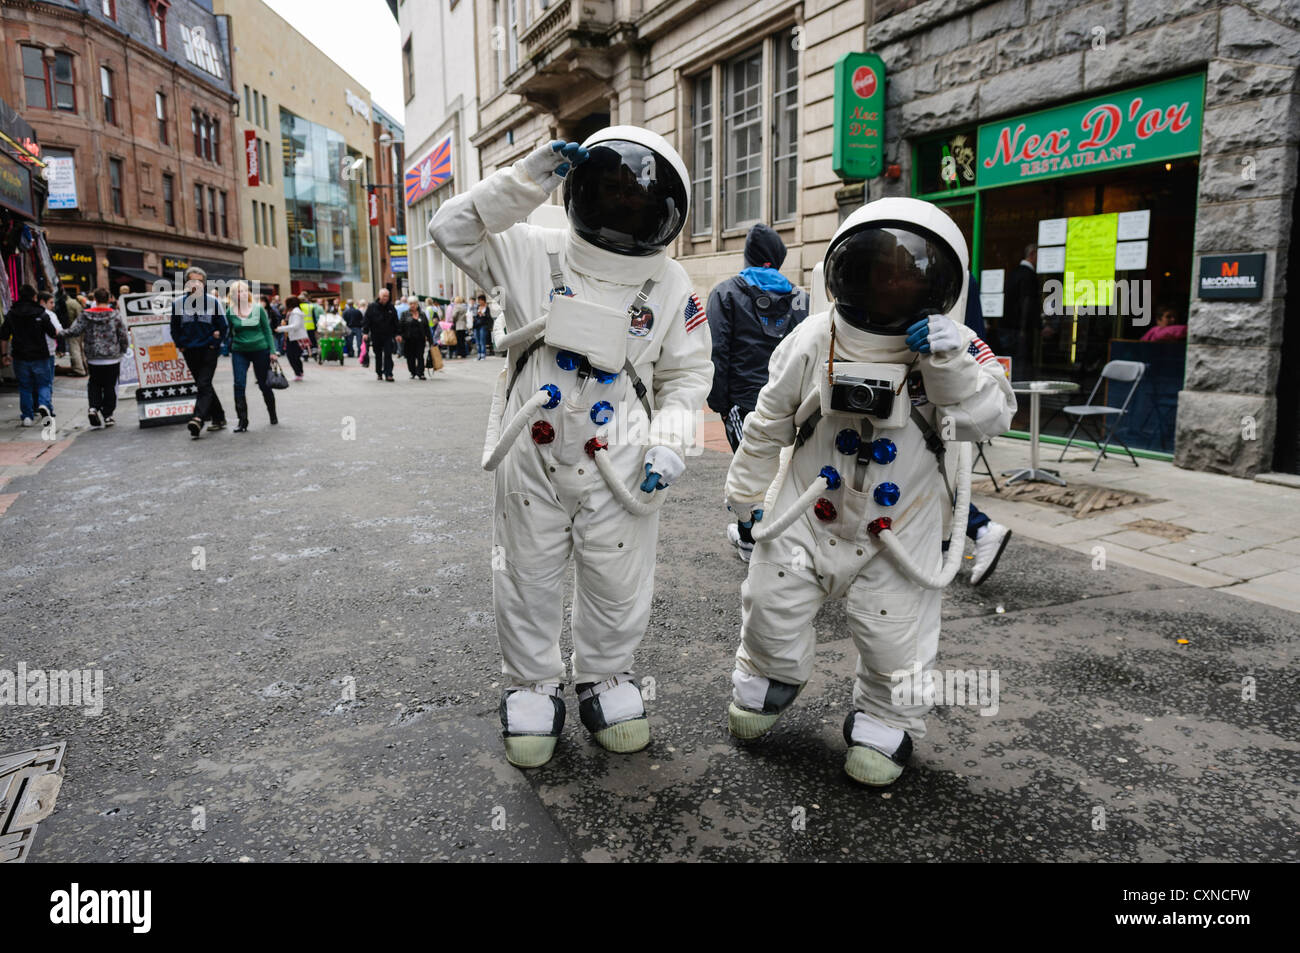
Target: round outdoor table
1035	390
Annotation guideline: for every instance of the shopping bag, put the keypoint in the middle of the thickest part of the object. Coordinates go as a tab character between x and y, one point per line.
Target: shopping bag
435	358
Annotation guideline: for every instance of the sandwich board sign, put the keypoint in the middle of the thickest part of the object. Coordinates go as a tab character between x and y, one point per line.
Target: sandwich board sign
165	390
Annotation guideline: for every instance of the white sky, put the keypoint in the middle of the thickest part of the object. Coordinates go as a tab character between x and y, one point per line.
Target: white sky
361	36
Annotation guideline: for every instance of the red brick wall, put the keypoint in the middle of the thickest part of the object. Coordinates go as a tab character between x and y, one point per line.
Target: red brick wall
138	73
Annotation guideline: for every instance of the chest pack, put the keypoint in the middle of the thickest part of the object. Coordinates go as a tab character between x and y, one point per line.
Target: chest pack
595	334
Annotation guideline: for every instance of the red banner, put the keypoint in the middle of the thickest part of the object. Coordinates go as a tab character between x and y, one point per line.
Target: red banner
250	150
374	207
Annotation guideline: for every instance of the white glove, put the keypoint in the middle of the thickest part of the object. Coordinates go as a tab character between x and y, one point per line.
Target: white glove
548	165
936	335
746	513
662	468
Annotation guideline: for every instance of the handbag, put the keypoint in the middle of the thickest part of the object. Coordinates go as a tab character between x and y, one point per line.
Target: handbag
275	378
435	358
449	338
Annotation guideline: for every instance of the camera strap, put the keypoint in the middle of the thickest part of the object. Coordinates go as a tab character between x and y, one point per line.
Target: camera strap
935	444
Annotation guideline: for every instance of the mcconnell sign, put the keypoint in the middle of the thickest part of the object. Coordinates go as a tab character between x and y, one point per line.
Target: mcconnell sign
1147	124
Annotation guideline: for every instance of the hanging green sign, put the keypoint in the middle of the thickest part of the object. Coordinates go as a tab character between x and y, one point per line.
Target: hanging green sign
1146	124
859	146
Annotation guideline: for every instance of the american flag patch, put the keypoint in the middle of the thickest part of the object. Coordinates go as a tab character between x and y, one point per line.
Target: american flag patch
694	314
980	351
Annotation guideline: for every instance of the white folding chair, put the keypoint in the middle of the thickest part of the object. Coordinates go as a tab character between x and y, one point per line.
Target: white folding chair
1121	372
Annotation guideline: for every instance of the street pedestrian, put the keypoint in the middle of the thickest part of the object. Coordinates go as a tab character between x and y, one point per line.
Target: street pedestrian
74	304
310	311
46	300
23	343
415	338
380	330
250	343
103	332
296	339
354	317
482	326
460	324
198	328
749	315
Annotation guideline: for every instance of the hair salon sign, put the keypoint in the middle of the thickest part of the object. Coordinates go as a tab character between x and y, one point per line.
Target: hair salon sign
1147	124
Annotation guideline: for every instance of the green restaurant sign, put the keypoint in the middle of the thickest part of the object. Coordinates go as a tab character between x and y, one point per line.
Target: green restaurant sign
858	149
1147	124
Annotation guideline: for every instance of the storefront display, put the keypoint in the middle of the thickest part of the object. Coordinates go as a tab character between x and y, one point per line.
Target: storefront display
1092	205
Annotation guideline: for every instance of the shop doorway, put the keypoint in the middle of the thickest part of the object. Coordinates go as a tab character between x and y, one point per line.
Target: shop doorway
1052	340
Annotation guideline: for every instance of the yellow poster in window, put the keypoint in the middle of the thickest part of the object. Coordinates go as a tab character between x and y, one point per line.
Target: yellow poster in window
1090	260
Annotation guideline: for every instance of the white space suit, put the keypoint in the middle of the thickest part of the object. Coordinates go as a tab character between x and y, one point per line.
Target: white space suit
830	551
551	501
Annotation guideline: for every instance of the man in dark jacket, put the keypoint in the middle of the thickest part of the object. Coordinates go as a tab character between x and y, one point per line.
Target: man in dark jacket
415	338
198	327
380	331
1022	324
28	325
749	315
353	318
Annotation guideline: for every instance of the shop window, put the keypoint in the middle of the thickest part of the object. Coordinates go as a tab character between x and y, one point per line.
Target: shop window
169	199
946	163
115	178
160	110
198	207
785	126
48	80
742	139
106	90
702	149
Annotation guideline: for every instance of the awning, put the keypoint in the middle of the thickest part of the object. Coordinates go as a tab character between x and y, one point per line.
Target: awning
138	273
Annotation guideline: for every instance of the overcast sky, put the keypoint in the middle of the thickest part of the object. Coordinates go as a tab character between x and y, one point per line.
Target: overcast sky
361	36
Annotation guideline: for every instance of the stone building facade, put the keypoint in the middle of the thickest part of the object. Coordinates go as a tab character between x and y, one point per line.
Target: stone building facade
955	62
139	96
746	92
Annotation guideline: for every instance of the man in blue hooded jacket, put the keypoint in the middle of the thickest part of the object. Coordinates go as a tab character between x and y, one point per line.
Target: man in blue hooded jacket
749	315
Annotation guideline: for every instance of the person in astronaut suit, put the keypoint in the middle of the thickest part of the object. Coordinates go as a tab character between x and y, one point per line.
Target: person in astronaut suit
625	195
896	278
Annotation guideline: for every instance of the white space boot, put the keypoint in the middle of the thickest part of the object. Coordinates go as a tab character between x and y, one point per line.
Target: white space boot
877	753
756	704
613	712
531	720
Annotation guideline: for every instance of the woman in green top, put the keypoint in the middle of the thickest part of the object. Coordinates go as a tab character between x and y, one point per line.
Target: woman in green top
251	343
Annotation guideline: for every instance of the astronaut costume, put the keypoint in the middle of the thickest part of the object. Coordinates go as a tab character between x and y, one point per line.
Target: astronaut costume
602	402
896	276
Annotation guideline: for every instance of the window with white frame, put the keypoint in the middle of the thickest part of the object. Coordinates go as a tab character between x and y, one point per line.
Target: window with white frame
742	139
702	149
785	126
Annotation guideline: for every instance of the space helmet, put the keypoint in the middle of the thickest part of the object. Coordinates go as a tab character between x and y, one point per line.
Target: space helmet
894	262
630	196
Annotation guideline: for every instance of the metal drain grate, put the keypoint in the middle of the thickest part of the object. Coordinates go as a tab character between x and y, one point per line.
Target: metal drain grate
1080	499
29	784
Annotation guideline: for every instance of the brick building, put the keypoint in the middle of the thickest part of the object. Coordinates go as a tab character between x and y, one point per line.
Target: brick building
136	97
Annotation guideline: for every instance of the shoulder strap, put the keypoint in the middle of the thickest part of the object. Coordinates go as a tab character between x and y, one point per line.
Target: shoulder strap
934	443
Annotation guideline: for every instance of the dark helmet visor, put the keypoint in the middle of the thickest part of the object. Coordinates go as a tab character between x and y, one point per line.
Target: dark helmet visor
625	198
886	276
